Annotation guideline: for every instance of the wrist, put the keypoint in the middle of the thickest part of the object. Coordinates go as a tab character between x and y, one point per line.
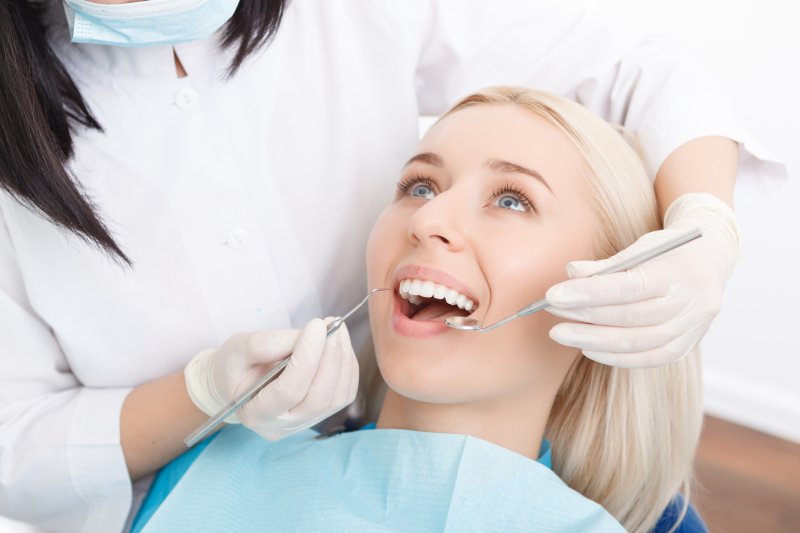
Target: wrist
200	387
713	216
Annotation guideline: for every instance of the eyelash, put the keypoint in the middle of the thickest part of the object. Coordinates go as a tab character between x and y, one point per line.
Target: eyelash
408	182
514	191
413	179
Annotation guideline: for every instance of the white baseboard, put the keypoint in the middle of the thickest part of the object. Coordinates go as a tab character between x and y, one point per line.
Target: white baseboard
755	405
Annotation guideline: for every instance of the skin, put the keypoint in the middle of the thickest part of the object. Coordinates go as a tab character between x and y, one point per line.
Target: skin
498	386
155	418
706	164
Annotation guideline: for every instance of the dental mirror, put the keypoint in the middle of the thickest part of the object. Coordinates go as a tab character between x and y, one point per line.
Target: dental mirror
463	323
471	324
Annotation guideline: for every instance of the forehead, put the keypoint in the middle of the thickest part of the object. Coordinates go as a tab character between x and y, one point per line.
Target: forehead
470	136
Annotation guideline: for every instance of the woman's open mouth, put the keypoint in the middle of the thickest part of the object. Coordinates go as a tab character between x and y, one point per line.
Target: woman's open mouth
428	301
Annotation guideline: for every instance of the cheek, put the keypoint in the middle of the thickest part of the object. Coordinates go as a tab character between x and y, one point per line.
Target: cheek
519	275
520	270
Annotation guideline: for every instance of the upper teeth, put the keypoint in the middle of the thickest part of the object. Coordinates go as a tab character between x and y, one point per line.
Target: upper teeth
413	289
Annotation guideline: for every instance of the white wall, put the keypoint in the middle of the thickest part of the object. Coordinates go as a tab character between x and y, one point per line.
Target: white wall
752	355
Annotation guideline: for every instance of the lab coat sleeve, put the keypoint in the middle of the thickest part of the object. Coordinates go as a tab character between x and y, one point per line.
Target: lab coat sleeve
61	464
627	75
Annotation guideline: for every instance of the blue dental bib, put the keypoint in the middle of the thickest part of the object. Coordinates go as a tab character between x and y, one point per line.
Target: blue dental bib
379	480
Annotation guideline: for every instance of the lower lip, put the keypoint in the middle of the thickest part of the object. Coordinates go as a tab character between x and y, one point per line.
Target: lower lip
414	328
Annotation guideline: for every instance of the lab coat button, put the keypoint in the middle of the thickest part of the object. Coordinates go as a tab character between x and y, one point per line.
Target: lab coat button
237	238
185	99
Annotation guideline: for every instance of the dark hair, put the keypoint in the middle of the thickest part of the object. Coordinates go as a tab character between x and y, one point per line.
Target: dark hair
40	105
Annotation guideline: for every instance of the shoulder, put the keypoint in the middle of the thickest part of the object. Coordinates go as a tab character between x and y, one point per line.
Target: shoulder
690	523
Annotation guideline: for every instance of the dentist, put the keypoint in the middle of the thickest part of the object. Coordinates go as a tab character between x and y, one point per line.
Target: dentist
186	180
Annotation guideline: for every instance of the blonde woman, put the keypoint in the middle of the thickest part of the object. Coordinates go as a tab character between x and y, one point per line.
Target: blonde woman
507	183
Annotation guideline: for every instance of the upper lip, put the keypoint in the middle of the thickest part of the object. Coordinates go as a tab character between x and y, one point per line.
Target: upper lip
428	273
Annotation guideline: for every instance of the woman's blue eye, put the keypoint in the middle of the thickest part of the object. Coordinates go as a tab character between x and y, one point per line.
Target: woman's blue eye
417	187
511	202
512	198
422	190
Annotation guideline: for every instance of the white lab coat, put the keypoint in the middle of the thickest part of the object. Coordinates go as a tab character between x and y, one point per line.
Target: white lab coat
245	203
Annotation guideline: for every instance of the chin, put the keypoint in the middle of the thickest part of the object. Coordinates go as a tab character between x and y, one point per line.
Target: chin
425	378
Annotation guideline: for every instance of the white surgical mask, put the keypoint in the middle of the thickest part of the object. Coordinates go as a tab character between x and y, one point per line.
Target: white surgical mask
147	23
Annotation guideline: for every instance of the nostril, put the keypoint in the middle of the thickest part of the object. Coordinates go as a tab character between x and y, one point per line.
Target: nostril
441	238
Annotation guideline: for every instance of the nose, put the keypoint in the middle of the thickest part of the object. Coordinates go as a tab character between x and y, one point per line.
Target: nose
438	222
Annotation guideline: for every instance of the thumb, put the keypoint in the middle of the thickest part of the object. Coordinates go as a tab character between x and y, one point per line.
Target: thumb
583	269
567	293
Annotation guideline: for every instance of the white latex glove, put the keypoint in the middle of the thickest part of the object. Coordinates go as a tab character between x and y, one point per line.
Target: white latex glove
320	379
655	313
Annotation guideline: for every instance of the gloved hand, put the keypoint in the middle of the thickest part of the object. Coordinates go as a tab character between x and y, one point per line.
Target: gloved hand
320	379
655	313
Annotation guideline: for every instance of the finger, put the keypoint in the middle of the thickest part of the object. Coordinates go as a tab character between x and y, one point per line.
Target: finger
349	361
352	383
293	384
274	345
321	398
271	346
634	285
649	312
349	392
354	379
671	352
621	339
329	319
325	399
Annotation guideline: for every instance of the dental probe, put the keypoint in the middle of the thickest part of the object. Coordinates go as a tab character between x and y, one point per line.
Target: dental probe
471	324
212	423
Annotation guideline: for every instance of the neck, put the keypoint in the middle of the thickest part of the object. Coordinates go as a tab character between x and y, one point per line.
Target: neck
516	422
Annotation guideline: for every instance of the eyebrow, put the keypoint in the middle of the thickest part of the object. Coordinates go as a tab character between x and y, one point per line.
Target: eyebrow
507	167
497	165
427	157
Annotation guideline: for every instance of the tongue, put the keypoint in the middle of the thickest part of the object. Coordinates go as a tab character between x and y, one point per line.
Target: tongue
438	310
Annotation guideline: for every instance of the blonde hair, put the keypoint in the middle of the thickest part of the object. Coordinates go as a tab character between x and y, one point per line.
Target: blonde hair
624	438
